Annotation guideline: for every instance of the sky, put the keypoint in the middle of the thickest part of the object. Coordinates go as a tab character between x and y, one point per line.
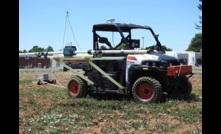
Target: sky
42	22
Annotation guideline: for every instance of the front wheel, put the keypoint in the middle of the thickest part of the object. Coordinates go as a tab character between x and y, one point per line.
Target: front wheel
147	90
77	87
184	88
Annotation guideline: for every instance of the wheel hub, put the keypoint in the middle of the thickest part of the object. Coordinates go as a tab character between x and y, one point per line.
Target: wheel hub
75	87
146	91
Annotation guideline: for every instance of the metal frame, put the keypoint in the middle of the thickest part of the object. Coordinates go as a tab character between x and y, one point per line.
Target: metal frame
97	55
89	56
89	61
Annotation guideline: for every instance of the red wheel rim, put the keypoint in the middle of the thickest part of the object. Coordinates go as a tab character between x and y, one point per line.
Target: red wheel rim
145	91
73	87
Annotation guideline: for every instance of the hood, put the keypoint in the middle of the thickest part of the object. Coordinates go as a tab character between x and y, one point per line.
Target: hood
163	56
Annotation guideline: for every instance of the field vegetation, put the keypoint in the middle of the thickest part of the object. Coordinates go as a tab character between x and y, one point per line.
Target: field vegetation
48	109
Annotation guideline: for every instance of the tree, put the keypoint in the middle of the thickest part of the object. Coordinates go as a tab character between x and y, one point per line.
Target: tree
36	49
102	47
155	47
196	43
49	49
164	48
24	51
200	17
122	46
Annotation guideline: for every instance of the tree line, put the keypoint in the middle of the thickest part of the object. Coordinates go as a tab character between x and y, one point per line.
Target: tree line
37	49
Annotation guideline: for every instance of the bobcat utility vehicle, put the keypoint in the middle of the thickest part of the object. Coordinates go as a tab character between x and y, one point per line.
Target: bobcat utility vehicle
117	64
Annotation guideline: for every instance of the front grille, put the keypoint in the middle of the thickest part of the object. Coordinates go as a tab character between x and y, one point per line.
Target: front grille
151	63
163	64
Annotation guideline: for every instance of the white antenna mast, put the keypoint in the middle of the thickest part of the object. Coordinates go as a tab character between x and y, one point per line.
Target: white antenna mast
111	20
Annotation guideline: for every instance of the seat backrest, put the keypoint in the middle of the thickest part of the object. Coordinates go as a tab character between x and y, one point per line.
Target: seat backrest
105	40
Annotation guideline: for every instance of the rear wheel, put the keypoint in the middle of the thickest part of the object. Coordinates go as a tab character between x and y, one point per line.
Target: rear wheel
77	87
54	81
147	90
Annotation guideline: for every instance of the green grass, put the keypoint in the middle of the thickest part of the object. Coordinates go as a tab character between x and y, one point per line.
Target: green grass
25	81
51	110
197	70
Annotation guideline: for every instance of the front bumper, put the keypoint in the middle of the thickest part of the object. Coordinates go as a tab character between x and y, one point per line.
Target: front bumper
179	70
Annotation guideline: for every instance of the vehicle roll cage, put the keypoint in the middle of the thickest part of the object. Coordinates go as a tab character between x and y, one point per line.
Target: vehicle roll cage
120	27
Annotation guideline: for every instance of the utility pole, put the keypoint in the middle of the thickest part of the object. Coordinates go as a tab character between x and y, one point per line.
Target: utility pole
143	41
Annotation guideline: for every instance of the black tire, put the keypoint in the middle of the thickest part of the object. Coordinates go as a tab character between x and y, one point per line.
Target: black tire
39	82
77	87
147	90
54	81
184	88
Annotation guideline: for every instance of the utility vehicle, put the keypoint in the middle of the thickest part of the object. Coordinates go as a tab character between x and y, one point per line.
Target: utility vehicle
126	68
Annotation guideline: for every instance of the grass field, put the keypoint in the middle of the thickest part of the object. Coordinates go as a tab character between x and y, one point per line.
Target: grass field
48	109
